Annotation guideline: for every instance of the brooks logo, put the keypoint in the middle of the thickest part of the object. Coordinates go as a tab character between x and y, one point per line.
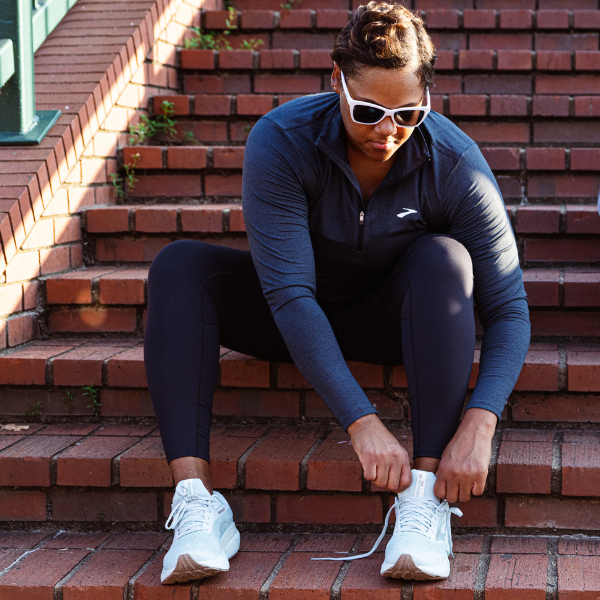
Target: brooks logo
408	212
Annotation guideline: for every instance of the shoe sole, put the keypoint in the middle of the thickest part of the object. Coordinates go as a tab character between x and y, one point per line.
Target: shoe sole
187	569
405	568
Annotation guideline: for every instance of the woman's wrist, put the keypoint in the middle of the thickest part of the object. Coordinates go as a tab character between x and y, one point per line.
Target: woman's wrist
480	421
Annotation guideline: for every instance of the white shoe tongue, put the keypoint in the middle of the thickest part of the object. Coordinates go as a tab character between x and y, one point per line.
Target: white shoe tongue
420	487
191	486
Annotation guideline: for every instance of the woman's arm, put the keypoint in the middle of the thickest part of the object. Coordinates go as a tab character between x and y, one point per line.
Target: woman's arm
276	216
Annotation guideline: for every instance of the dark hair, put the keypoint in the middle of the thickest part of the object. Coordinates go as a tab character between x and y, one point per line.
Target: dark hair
385	35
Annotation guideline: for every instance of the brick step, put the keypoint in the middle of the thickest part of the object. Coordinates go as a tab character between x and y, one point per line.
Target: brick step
449	27
81	565
46	379
89	472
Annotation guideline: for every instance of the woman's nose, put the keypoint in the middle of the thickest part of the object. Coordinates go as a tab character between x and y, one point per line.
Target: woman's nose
386	127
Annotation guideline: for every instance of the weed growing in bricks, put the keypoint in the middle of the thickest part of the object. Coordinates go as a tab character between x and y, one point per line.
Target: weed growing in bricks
33	411
189	139
93	394
100	516
164	124
290	4
127	184
68	398
251	44
141	132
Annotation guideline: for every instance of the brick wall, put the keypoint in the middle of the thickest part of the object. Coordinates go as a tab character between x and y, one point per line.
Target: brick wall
99	67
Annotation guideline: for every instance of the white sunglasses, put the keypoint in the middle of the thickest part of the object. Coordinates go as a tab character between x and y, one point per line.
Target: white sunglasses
366	113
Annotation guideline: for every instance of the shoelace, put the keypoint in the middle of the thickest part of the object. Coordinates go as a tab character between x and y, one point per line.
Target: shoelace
191	514
415	507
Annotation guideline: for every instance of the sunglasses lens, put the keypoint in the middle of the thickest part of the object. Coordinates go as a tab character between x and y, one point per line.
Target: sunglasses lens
367	114
409	118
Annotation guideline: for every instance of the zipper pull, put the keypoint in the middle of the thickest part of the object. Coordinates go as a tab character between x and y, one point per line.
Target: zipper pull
361	219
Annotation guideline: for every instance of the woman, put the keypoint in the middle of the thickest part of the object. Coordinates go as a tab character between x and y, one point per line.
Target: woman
372	223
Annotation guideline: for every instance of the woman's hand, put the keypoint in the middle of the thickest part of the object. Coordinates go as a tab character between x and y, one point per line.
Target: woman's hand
464	465
385	462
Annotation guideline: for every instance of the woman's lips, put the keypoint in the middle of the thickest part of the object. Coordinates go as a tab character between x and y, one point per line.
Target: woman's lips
381	145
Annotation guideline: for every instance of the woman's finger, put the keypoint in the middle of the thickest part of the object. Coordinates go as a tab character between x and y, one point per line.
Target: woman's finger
439	488
465	491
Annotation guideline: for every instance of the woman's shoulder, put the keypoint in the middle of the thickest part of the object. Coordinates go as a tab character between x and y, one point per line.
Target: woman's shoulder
445	138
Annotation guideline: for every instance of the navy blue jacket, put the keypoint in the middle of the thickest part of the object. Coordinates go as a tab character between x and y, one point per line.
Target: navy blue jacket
301	203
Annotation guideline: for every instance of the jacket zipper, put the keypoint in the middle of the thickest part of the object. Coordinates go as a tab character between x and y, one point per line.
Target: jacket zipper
361	226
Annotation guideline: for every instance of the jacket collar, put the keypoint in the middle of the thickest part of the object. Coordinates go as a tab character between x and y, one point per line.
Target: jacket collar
332	140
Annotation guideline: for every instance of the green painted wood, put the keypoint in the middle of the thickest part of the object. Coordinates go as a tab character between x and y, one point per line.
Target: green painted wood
7	61
46	17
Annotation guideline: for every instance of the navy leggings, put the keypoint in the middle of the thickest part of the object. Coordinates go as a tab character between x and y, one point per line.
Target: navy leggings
201	296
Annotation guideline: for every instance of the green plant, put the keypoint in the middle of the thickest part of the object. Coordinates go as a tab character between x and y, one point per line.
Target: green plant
290	4
68	398
164	123
189	139
250	44
209	40
128	181
34	410
232	15
141	132
93	394
100	516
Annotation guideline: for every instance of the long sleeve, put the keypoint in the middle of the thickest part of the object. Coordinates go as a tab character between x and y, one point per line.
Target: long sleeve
275	210
478	220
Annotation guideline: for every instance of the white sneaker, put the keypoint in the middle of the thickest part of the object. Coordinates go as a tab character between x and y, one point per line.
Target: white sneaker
422	541
205	536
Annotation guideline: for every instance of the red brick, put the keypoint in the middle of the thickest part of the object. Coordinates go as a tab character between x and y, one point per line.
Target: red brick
93	320
460	584
181	104
582	288
546	159
578	577
547	60
524	467
197	59
257	19
518	576
22	539
557	323
103	506
241	370
145	465
248	574
254	104
295	19
149	587
366	375
22	506
478	512
212	104
235	59
272	84
315	59
514	60
515	106
105	576
275	464
586	19
564	41
225	455
217	84
496	132
228	157
27	462
581	546
580	469
21	329
184	157
82	366
539	407
276	59
89	463
475	59
471	105
502	159
442	19
108	219
583	371
256	403
143	157
538	219
204	219
123	287
585	159
127	369
445	62
540	371
516	19
249	508
27	366
479	19
363	581
505	41
577	85
550	106
326	542
266	542
330	510
519	544
44	568
155	219
566	131
11	299
53	260
334	465
223	185
551	512
562	250
542	286
552	19
126	403
331	18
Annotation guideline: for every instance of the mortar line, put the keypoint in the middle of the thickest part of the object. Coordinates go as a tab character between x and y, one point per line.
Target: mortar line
264	589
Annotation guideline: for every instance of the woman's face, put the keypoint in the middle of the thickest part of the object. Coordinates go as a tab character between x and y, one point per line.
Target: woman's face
387	88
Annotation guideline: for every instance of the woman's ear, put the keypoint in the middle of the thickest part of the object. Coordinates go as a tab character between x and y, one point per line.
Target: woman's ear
336	82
